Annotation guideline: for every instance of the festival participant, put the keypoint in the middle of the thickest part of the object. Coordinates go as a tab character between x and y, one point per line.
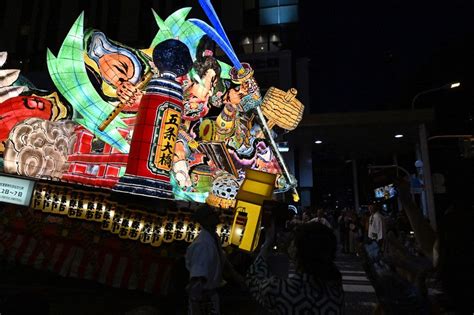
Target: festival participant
450	247
321	219
206	263
315	287
376	230
344	222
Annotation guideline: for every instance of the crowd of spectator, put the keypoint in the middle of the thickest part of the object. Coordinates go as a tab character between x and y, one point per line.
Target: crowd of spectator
414	268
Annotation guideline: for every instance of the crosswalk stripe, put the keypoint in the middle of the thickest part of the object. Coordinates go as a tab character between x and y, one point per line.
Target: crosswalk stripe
354	278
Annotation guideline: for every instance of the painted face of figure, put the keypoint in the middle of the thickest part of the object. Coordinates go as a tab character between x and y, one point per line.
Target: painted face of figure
197	97
203	91
236	94
116	63
116	68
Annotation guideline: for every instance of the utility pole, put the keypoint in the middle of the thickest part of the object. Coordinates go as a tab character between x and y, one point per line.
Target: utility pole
427	181
355	185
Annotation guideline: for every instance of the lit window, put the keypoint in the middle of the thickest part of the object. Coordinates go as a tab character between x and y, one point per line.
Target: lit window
246	40
288	14
279	15
269	16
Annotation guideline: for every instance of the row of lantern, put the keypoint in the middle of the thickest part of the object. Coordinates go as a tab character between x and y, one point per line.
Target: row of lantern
126	223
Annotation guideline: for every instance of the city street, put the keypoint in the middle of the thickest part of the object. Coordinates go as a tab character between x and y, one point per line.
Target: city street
359	293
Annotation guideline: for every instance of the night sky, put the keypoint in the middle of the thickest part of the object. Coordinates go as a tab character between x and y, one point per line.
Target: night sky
377	55
370	55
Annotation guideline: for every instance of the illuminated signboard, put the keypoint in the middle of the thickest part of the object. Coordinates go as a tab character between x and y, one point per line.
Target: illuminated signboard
16	190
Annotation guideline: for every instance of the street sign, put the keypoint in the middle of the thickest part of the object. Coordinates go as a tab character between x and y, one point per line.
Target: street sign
16	190
416	185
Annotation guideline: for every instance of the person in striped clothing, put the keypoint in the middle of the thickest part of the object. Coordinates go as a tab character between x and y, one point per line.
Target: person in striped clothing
316	285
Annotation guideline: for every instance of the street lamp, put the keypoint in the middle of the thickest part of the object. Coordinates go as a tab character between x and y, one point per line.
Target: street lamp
444	87
423	155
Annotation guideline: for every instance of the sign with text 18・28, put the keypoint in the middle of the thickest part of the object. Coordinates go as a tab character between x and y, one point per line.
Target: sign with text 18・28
16	190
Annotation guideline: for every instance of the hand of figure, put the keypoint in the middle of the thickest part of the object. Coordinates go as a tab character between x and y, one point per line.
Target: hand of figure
269	239
153	67
128	93
181	170
252	86
183	179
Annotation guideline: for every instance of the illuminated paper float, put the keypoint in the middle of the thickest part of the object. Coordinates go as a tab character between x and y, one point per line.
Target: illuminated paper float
207	145
118	136
126	145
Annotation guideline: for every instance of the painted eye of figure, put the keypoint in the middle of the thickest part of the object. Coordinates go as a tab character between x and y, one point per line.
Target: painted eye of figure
122	68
